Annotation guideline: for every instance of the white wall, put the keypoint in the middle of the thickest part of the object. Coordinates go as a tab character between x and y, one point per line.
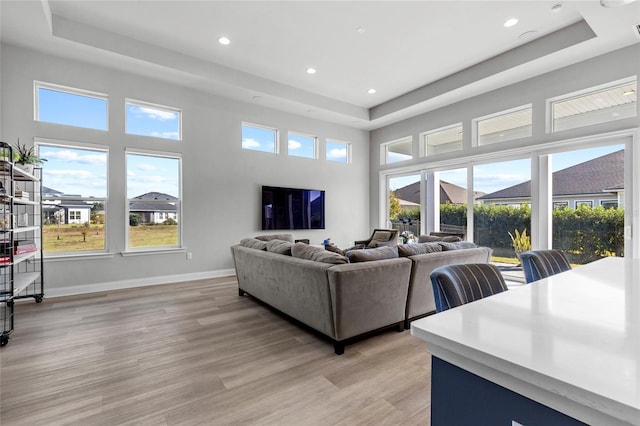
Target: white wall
603	69
221	181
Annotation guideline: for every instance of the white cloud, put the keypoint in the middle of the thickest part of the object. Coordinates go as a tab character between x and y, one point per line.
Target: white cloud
250	143
154	114
294	144
147	167
165	135
337	153
74	157
75	174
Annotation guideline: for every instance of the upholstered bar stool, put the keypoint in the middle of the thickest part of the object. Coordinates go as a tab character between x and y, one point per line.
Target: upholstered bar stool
538	264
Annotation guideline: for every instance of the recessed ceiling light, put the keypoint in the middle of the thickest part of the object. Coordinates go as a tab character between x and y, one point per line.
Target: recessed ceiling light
510	22
628	92
361	30
311	70
556	8
371	91
224	40
256	98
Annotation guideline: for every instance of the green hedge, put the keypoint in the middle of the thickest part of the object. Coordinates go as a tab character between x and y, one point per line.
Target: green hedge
585	234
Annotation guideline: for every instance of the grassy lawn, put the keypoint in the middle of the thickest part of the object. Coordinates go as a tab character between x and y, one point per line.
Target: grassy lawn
70	238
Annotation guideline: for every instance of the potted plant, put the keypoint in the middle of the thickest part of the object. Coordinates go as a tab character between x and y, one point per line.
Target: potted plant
25	157
521	242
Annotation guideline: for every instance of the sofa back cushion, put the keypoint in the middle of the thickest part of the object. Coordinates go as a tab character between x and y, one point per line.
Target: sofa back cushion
305	251
283	237
367	255
406	250
434	238
457	245
253	243
279	246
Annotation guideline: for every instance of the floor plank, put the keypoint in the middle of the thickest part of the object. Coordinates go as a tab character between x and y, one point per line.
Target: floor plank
197	353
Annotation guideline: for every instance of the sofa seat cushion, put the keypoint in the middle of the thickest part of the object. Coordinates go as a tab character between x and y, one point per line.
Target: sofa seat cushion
305	251
457	245
253	243
379	253
279	246
406	250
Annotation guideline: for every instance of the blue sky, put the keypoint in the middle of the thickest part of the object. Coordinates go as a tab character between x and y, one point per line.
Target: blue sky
83	172
494	176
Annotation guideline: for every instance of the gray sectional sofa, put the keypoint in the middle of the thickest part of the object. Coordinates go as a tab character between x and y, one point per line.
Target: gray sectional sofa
344	297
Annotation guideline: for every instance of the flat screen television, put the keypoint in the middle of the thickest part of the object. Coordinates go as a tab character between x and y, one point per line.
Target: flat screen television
292	208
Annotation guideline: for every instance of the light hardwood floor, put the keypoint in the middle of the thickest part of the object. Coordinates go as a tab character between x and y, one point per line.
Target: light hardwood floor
197	353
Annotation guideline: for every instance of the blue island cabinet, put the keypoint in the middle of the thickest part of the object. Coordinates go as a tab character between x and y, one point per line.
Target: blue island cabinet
461	398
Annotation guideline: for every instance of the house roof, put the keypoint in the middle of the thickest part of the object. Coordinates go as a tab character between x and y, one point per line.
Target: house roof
449	193
138	206
155	196
602	174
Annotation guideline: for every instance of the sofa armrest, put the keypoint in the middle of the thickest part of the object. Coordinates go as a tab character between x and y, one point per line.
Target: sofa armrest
368	295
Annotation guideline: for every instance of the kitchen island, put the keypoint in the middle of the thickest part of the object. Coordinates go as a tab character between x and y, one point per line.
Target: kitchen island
562	350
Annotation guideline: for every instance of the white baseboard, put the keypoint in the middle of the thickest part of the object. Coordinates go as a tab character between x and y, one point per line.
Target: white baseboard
139	282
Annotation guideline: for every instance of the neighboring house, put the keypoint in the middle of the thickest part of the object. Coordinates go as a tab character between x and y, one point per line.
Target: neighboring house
449	193
597	182
75	211
154	207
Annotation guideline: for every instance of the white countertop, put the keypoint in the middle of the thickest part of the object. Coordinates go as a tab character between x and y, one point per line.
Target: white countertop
570	341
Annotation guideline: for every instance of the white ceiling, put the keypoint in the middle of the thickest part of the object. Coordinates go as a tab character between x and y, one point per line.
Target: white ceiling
418	55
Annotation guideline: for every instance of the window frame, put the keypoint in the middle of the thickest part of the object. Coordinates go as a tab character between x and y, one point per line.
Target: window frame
304	135
475	124
276	142
384	150
38	143
348	152
158	107
424	136
612	85
149	249
71	91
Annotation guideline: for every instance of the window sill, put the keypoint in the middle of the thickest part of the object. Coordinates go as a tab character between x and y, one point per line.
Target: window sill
76	256
153	251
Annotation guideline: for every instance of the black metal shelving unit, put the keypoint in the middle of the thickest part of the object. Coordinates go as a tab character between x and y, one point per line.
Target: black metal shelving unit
21	262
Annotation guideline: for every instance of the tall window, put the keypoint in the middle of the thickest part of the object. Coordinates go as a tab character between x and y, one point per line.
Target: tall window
404	205
71	107
590	184
399	150
453	200
154	200
153	120
442	140
339	152
74	197
300	145
259	138
504	126
613	101
504	206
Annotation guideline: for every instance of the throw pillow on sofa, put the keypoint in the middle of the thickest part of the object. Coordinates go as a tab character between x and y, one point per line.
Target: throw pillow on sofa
280	247
457	246
305	251
253	243
379	253
406	250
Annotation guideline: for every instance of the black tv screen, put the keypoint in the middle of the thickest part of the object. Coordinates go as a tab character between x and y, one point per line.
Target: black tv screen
291	208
